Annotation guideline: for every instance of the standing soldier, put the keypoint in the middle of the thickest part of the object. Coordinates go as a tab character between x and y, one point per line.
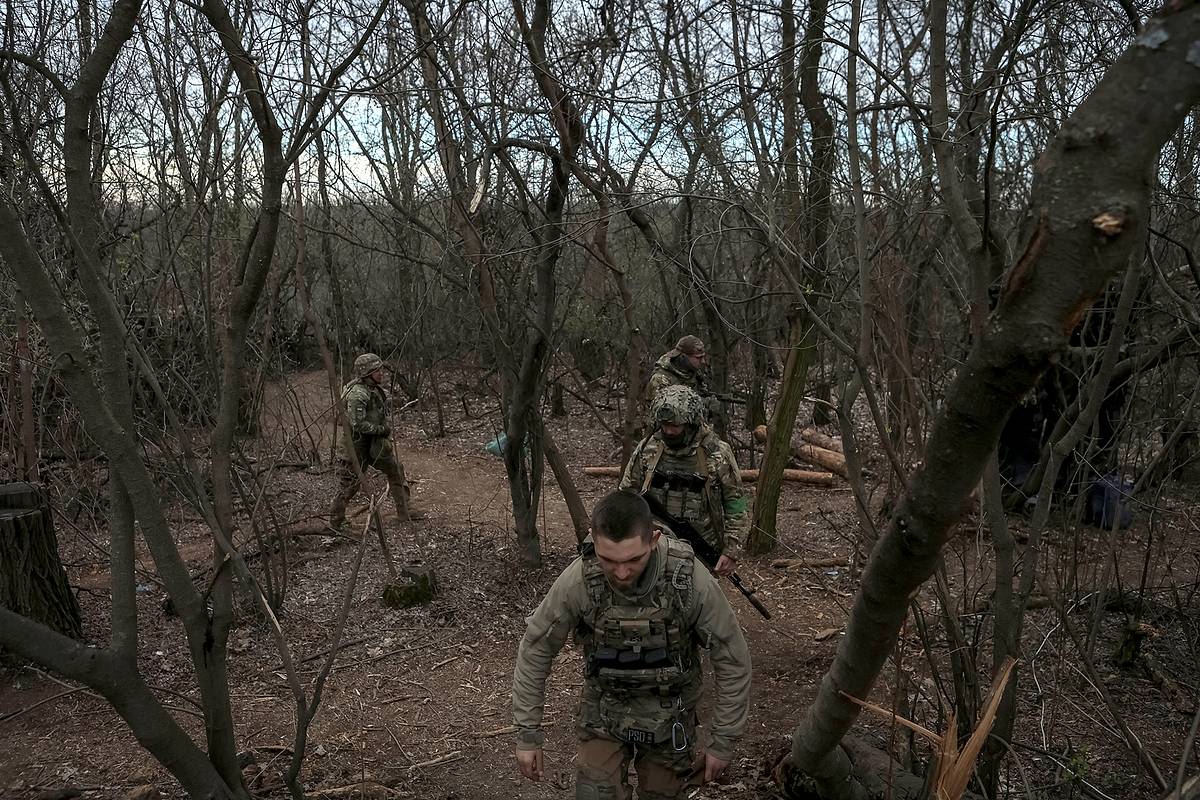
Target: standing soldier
368	441
684	365
692	473
641	606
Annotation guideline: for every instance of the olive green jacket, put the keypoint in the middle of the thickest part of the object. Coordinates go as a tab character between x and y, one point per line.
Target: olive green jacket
708	618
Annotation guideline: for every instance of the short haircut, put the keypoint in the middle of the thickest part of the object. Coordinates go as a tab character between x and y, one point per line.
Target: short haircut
690	345
621	514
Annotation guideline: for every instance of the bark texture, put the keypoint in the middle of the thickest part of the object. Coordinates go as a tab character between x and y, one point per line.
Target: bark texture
32	580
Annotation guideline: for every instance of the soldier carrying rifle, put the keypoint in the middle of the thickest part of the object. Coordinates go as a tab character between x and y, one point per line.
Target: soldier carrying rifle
691	473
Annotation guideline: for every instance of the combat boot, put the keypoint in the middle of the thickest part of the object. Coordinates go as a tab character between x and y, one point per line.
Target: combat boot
406	509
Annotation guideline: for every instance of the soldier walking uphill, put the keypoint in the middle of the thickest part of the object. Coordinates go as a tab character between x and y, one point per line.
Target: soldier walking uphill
641	606
692	473
369	441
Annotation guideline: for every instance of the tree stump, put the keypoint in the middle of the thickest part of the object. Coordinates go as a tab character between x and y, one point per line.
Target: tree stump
419	588
32	580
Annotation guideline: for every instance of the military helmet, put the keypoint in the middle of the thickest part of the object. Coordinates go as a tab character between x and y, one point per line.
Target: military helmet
677	404
367	363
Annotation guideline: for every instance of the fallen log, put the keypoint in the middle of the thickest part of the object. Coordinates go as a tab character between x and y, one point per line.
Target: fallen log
814	436
812	454
748	475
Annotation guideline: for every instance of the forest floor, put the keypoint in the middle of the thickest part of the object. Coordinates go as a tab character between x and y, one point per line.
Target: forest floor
417	703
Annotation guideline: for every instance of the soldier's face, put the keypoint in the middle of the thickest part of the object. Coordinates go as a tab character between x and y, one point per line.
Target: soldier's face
697	360
625	561
673	433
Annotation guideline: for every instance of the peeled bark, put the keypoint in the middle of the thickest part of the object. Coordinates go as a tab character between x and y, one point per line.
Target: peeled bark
1089	202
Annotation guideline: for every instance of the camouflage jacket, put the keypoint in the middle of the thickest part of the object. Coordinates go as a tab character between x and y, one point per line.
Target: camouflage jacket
367	413
706	620
699	483
667	374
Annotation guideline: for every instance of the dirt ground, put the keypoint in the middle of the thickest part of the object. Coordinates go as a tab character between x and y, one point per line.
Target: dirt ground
418	699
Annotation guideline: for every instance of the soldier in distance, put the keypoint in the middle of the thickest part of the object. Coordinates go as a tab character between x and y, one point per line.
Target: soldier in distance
368	441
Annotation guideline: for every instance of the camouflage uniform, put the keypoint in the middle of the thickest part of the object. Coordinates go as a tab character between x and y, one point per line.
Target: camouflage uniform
698	482
369	441
642	679
671	369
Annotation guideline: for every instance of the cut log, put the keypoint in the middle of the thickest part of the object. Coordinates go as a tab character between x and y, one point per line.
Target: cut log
32	580
604	472
748	475
814	436
812	454
797	476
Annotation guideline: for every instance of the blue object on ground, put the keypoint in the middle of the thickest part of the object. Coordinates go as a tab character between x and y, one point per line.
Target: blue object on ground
498	445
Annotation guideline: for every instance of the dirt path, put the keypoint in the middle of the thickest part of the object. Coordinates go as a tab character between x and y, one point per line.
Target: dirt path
418	699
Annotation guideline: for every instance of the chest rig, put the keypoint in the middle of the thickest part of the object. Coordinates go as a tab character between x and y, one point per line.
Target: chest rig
641	649
687	487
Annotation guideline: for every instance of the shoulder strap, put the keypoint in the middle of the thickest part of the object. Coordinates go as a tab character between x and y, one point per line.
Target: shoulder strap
650	466
595	583
677	578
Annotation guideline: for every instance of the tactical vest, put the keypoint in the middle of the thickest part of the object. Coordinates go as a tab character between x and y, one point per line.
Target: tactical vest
687	491
640	649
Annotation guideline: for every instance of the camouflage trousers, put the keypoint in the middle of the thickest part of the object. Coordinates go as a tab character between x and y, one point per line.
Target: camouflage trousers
665	770
349	485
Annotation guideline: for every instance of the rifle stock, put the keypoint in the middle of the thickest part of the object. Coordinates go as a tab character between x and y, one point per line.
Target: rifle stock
708	554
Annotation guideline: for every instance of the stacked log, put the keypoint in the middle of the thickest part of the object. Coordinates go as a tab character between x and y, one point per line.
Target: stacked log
809	453
748	475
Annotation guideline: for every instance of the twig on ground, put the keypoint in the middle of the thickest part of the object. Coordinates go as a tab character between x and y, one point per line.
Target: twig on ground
341	646
445	758
815	563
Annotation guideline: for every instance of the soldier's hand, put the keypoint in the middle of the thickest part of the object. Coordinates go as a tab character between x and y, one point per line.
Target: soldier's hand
725	565
713	767
530	763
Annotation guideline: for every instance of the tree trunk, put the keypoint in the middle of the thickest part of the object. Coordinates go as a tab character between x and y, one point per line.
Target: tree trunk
32	580
779	439
562	476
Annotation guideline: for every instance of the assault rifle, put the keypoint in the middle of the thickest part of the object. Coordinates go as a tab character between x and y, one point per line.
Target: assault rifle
704	551
729	397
